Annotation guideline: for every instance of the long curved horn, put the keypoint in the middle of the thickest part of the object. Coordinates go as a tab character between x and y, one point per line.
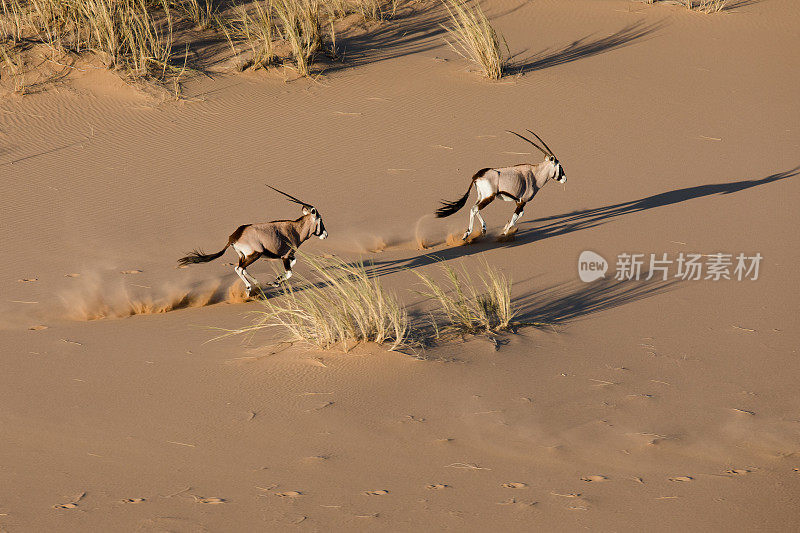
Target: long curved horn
544	143
529	141
289	196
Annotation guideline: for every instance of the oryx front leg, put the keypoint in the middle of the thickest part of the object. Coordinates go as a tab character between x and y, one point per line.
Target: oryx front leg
288	263
518	212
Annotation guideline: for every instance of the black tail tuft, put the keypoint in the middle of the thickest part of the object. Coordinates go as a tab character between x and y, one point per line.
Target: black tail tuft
448	208
197	256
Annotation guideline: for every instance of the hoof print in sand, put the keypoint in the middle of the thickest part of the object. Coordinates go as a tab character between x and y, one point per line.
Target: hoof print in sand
437	486
131	271
514	485
593	479
133	500
209	501
375	492
681	479
289	494
37	327
71	504
738	471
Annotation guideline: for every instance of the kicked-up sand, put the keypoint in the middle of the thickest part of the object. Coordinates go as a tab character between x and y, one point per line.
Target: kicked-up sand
643	405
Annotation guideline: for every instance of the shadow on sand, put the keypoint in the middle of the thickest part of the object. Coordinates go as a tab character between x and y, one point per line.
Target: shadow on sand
584	47
574	300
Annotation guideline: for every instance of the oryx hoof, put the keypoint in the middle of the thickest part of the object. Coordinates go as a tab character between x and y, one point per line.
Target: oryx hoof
465	236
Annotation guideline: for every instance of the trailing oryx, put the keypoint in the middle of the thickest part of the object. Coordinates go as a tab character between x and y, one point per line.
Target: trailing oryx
519	184
278	239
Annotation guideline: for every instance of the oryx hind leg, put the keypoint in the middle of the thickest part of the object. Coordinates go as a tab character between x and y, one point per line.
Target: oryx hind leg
518	212
241	270
475	211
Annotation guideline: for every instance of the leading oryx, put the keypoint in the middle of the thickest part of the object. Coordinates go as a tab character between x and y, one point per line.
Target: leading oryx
278	239
519	184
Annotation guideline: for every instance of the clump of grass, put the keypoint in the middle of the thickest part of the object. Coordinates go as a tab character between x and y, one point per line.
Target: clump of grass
201	12
255	28
301	25
344	307
706	6
11	65
474	38
467	307
126	34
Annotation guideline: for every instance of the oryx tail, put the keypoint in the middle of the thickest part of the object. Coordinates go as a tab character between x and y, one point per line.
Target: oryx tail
448	208
198	256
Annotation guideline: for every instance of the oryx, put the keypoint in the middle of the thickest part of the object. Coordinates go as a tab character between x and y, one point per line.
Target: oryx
278	239
519	184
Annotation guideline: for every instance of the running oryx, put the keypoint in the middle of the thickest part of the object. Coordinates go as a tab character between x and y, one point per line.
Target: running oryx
519	184
278	239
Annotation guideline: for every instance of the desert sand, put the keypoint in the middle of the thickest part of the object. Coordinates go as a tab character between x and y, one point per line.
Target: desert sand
642	406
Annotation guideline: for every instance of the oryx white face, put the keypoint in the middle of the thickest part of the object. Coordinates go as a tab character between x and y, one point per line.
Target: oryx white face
557	171
319	226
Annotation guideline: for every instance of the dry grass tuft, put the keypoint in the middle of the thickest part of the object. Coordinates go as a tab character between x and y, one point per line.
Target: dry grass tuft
706	6
467	307
201	12
11	66
343	308
255	28
301	25
474	38
130	35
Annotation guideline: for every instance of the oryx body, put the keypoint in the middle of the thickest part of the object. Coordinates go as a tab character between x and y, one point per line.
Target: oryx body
518	183
278	239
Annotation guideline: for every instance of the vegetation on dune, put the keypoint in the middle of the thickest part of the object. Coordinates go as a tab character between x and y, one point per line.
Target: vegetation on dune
700	6
465	306
344	305
473	38
138	37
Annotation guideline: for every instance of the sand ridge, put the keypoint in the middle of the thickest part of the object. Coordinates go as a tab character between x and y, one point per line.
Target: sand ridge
656	405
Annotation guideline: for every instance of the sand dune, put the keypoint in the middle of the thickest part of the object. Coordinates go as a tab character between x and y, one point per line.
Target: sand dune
655	405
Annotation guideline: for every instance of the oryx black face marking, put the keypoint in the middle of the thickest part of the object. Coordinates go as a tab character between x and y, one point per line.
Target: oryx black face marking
278	239
519	184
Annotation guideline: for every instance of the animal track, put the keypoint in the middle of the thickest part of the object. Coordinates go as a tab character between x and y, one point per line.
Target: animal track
514	485
289	494
375	492
594	478
133	500
71	505
209	501
681	478
437	486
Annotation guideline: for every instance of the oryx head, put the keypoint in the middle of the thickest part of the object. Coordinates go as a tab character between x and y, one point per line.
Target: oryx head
551	166
308	210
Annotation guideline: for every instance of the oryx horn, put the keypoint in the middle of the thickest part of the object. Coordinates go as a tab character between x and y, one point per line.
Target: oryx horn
544	143
528	141
289	196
